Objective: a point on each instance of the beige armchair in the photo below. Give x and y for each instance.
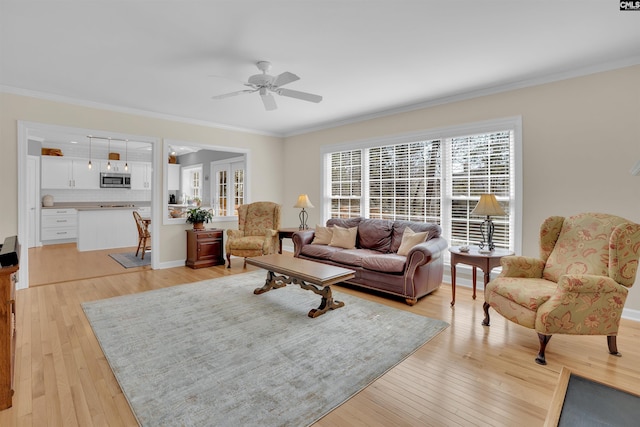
(257, 232)
(578, 285)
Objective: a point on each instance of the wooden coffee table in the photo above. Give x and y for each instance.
(313, 276)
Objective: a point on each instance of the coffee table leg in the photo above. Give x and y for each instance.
(327, 303)
(272, 282)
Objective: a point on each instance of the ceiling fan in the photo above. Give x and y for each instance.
(266, 84)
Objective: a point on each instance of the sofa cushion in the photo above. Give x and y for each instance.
(409, 239)
(375, 234)
(385, 263)
(353, 257)
(398, 230)
(322, 235)
(319, 251)
(344, 237)
(344, 222)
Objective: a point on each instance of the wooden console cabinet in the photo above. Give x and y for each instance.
(204, 248)
(7, 333)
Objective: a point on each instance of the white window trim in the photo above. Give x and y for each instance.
(514, 123)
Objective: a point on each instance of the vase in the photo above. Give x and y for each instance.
(198, 225)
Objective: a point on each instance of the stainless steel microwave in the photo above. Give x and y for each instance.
(115, 180)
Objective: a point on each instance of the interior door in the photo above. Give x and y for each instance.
(33, 200)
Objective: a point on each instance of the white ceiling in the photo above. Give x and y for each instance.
(365, 58)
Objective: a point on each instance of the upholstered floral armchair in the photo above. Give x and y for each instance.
(578, 285)
(257, 232)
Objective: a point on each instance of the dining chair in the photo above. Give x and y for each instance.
(144, 237)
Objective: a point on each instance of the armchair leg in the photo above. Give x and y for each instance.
(228, 260)
(613, 347)
(544, 339)
(486, 320)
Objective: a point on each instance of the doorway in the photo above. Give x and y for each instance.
(28, 197)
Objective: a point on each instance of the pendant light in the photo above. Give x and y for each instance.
(108, 153)
(89, 136)
(126, 156)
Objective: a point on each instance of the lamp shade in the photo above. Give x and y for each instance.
(303, 202)
(488, 205)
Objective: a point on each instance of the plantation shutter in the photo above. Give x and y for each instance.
(405, 181)
(478, 164)
(346, 184)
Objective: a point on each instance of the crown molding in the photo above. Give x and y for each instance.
(127, 110)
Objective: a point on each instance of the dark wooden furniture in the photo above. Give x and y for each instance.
(204, 248)
(300, 271)
(7, 333)
(285, 233)
(485, 261)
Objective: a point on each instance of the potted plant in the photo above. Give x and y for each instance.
(198, 216)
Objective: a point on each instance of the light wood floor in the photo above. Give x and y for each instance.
(63, 263)
(467, 375)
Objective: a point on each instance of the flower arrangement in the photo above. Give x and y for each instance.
(198, 216)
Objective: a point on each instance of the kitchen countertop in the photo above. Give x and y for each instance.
(92, 206)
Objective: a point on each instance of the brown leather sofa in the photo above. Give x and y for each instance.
(375, 260)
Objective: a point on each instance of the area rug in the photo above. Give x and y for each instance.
(130, 260)
(213, 353)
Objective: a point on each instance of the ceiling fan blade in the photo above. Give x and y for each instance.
(299, 95)
(228, 95)
(285, 78)
(269, 101)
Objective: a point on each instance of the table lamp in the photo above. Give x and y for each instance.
(487, 206)
(303, 202)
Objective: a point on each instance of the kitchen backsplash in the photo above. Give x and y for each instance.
(101, 195)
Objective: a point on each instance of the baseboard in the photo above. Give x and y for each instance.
(171, 264)
(631, 314)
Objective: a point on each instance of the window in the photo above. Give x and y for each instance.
(432, 177)
(346, 184)
(478, 164)
(229, 191)
(192, 182)
(404, 181)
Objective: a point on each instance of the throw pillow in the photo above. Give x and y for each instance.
(322, 235)
(409, 239)
(344, 237)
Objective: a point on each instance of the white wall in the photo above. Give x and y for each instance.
(581, 137)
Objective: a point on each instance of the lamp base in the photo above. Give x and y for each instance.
(303, 220)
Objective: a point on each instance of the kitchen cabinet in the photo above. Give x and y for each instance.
(173, 179)
(59, 224)
(140, 175)
(7, 333)
(204, 248)
(66, 173)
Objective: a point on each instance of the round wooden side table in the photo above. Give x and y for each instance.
(485, 261)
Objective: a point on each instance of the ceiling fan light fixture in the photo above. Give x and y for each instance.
(265, 84)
